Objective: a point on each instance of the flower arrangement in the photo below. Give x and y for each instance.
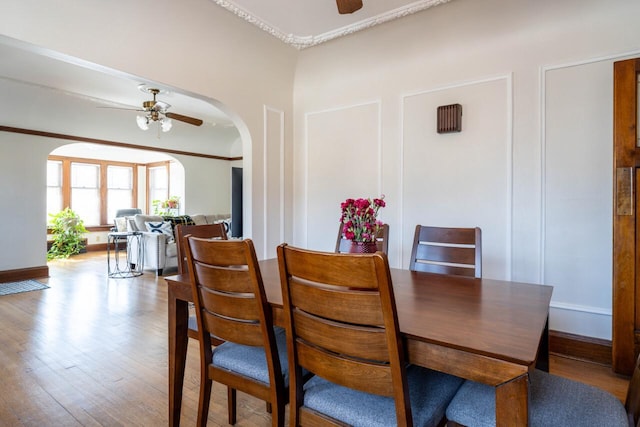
(359, 219)
(171, 203)
(163, 206)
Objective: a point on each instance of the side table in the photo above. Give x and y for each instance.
(120, 244)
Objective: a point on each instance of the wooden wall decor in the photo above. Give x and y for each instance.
(449, 118)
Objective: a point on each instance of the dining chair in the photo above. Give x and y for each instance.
(231, 305)
(382, 240)
(553, 401)
(446, 250)
(211, 231)
(342, 326)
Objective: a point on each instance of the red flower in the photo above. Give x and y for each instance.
(359, 218)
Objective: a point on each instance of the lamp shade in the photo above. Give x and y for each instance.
(143, 122)
(166, 124)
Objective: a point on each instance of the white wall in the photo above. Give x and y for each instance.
(532, 165)
(23, 182)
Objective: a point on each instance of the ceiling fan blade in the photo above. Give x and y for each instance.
(186, 119)
(348, 6)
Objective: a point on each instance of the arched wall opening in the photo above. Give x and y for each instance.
(59, 104)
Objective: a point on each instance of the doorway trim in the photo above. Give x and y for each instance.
(626, 157)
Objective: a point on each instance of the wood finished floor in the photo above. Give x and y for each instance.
(92, 351)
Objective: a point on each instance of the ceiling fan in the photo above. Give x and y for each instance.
(156, 111)
(348, 6)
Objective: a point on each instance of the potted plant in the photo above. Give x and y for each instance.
(68, 234)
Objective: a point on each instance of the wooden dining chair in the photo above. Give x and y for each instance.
(342, 326)
(553, 401)
(231, 305)
(444, 250)
(210, 231)
(382, 240)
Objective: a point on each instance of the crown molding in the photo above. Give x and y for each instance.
(302, 42)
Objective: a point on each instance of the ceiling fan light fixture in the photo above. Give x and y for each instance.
(143, 122)
(166, 124)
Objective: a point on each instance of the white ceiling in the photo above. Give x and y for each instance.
(305, 23)
(69, 98)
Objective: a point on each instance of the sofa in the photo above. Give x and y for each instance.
(159, 246)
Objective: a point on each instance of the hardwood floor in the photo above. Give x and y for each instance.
(92, 351)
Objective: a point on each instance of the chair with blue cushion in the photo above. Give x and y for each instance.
(342, 326)
(231, 305)
(553, 401)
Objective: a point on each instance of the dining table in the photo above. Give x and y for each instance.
(490, 331)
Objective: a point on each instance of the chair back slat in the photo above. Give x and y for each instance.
(455, 236)
(212, 231)
(342, 324)
(425, 267)
(446, 250)
(355, 341)
(382, 240)
(448, 254)
(241, 306)
(337, 302)
(225, 278)
(347, 272)
(351, 373)
(245, 333)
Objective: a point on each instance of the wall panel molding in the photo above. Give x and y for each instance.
(543, 70)
(267, 177)
(377, 170)
(508, 82)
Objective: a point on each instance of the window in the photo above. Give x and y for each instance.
(119, 189)
(85, 192)
(94, 189)
(54, 187)
(158, 183)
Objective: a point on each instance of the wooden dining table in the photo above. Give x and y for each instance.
(485, 330)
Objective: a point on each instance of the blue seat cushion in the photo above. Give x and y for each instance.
(553, 401)
(251, 361)
(429, 391)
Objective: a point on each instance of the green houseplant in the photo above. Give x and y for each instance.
(68, 234)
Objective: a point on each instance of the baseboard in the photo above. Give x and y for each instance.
(24, 274)
(579, 347)
(97, 247)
